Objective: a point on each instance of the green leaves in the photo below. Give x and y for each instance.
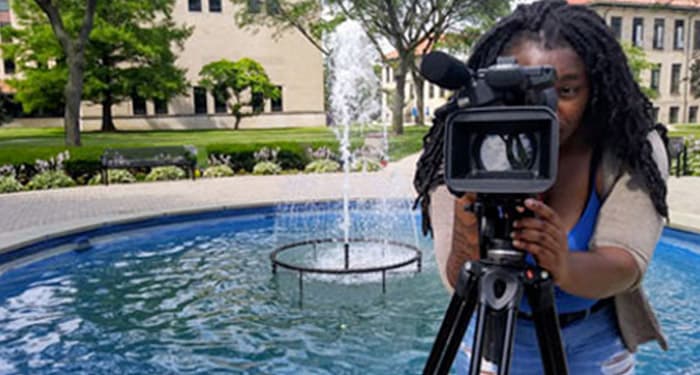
(637, 61)
(129, 52)
(228, 79)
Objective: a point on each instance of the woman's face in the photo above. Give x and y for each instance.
(572, 83)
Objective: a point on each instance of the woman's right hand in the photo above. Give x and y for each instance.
(465, 238)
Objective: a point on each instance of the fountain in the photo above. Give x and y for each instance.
(354, 102)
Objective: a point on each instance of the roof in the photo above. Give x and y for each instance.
(695, 4)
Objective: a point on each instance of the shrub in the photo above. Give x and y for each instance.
(322, 166)
(291, 155)
(266, 168)
(82, 170)
(115, 176)
(218, 171)
(8, 184)
(165, 174)
(49, 180)
(364, 164)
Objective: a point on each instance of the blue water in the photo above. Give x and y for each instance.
(200, 298)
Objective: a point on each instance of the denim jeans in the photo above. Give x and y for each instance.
(592, 345)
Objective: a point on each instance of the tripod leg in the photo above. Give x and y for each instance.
(507, 353)
(540, 295)
(455, 322)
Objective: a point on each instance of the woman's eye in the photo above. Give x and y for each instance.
(567, 91)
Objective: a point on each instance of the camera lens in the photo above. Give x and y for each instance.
(506, 152)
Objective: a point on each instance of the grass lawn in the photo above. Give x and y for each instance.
(685, 131)
(25, 145)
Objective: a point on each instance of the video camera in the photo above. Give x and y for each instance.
(501, 130)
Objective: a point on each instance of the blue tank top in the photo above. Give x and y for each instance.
(578, 239)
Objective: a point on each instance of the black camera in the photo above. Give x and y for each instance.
(501, 128)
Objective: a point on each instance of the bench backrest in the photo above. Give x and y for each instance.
(149, 156)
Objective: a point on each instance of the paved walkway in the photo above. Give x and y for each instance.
(30, 216)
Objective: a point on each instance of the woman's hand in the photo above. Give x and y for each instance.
(545, 238)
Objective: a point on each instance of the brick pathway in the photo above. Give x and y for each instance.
(28, 216)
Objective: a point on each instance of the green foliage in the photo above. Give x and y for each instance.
(266, 168)
(322, 166)
(8, 184)
(50, 179)
(290, 156)
(165, 174)
(218, 171)
(115, 176)
(638, 63)
(365, 164)
(129, 52)
(241, 80)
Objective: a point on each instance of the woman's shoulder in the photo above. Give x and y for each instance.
(611, 167)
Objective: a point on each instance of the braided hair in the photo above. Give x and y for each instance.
(617, 112)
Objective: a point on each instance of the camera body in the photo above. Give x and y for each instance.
(501, 129)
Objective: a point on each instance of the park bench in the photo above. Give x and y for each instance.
(678, 150)
(122, 158)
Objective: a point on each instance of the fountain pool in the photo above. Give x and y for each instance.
(196, 295)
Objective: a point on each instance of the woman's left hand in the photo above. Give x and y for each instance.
(545, 238)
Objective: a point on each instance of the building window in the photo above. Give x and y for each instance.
(257, 101)
(200, 100)
(431, 91)
(9, 66)
(638, 32)
(4, 5)
(675, 78)
(160, 106)
(673, 115)
(219, 104)
(276, 104)
(195, 5)
(693, 114)
(659, 25)
(387, 71)
(655, 78)
(138, 105)
(696, 35)
(616, 26)
(655, 113)
(254, 6)
(679, 35)
(442, 92)
(410, 91)
(215, 6)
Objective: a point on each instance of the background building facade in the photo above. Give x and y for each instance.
(291, 62)
(668, 32)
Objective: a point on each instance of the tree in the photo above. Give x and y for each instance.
(244, 80)
(71, 31)
(129, 53)
(403, 24)
(695, 78)
(638, 63)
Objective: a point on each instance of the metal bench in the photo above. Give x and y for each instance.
(123, 158)
(677, 150)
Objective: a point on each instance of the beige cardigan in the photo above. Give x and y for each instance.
(627, 220)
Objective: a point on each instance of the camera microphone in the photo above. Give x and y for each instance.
(445, 70)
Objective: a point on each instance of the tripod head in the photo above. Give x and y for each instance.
(495, 216)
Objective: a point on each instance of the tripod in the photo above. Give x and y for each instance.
(496, 284)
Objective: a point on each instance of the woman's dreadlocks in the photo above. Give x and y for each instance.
(617, 111)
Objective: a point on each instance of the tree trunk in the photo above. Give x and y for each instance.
(238, 121)
(397, 110)
(420, 105)
(73, 93)
(107, 121)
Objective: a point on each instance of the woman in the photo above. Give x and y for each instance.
(595, 229)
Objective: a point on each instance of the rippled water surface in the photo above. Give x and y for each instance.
(200, 298)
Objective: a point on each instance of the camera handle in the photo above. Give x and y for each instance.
(495, 284)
